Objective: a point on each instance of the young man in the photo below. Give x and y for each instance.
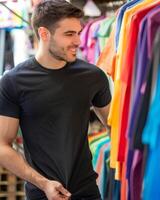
(50, 96)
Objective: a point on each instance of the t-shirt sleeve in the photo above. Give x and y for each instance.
(103, 95)
(8, 97)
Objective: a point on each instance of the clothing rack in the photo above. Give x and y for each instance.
(132, 63)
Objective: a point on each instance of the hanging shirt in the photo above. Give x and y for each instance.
(88, 34)
(96, 155)
(101, 168)
(106, 60)
(104, 173)
(104, 31)
(134, 166)
(94, 145)
(120, 18)
(95, 136)
(84, 38)
(92, 41)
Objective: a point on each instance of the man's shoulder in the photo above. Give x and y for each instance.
(20, 68)
(23, 65)
(91, 67)
(86, 65)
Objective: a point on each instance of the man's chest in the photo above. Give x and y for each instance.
(52, 94)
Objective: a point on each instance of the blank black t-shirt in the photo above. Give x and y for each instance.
(53, 107)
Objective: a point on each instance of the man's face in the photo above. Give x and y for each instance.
(64, 42)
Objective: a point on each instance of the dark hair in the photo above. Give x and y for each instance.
(48, 12)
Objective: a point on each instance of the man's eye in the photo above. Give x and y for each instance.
(70, 34)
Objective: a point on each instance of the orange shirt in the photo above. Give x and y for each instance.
(106, 60)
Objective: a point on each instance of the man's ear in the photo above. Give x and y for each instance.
(43, 33)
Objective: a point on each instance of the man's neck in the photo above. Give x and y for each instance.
(48, 61)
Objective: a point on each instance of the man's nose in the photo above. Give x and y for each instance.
(77, 40)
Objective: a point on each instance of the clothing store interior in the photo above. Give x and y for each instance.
(122, 38)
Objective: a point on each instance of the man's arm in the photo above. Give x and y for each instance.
(102, 113)
(15, 162)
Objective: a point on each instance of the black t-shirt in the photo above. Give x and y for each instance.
(53, 107)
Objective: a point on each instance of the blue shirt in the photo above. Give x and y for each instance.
(120, 18)
(151, 134)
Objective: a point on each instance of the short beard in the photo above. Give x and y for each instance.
(58, 57)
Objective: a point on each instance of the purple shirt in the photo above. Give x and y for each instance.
(136, 175)
(85, 36)
(153, 24)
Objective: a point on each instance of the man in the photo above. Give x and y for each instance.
(50, 96)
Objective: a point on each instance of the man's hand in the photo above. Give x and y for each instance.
(55, 191)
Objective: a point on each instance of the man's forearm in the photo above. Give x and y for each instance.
(15, 163)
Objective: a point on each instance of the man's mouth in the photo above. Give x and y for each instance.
(73, 50)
